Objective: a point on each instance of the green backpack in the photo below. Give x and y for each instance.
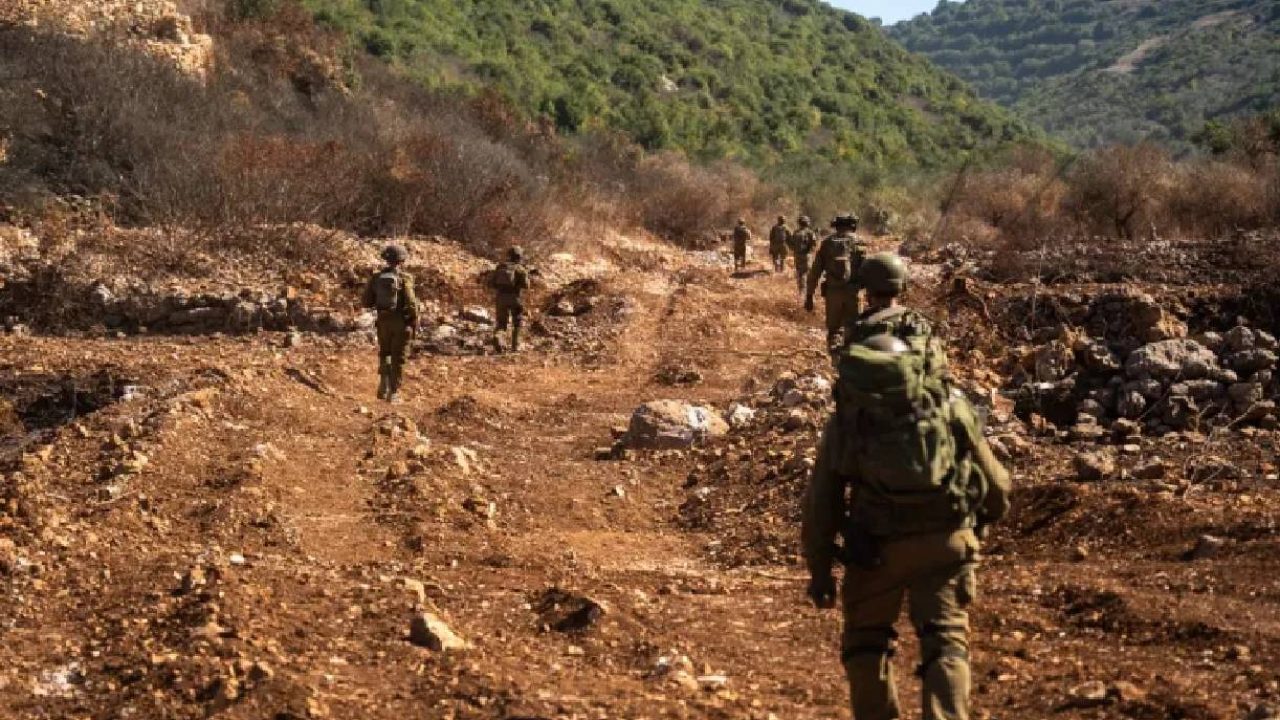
(904, 439)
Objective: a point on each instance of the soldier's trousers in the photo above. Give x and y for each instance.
(802, 271)
(779, 257)
(510, 313)
(393, 348)
(935, 574)
(842, 307)
(739, 257)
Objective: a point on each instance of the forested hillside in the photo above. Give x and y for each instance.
(1097, 71)
(755, 80)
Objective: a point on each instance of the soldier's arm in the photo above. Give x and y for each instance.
(995, 505)
(409, 301)
(816, 270)
(823, 510)
(522, 278)
(367, 298)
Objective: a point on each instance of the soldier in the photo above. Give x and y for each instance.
(883, 277)
(835, 273)
(910, 501)
(741, 240)
(779, 238)
(509, 280)
(802, 243)
(390, 293)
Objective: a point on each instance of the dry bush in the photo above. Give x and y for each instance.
(680, 201)
(1212, 198)
(249, 148)
(1121, 191)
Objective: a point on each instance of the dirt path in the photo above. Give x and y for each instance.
(265, 558)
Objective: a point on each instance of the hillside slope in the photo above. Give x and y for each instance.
(1094, 72)
(747, 79)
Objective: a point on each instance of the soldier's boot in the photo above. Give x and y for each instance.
(515, 338)
(944, 677)
(496, 341)
(395, 376)
(383, 380)
(873, 694)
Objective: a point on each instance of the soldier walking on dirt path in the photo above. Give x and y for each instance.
(802, 243)
(509, 281)
(741, 241)
(779, 238)
(390, 292)
(835, 274)
(910, 500)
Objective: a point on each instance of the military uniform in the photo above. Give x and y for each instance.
(834, 272)
(509, 281)
(925, 551)
(741, 240)
(895, 320)
(802, 243)
(395, 327)
(779, 238)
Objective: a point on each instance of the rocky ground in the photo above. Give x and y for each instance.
(217, 519)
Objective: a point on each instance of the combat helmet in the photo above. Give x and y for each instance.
(782, 219)
(804, 221)
(395, 254)
(883, 274)
(845, 220)
(515, 253)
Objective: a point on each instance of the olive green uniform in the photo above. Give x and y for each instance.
(840, 295)
(741, 240)
(395, 330)
(802, 243)
(927, 558)
(779, 238)
(896, 320)
(508, 302)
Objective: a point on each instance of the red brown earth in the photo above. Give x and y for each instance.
(230, 526)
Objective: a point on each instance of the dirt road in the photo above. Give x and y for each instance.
(244, 533)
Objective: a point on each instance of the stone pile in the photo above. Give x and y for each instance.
(1135, 368)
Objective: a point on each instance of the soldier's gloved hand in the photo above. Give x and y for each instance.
(808, 303)
(822, 591)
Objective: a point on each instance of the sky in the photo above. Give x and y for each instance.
(890, 11)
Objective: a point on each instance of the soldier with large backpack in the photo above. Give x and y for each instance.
(390, 293)
(779, 237)
(802, 243)
(907, 482)
(509, 281)
(835, 273)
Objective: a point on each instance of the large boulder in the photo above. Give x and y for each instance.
(1168, 359)
(672, 425)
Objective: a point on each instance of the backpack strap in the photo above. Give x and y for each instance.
(888, 313)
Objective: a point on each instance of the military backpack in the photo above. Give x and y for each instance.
(386, 290)
(904, 438)
(506, 277)
(847, 253)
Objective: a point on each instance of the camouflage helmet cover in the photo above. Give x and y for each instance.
(883, 274)
(395, 254)
(804, 220)
(515, 253)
